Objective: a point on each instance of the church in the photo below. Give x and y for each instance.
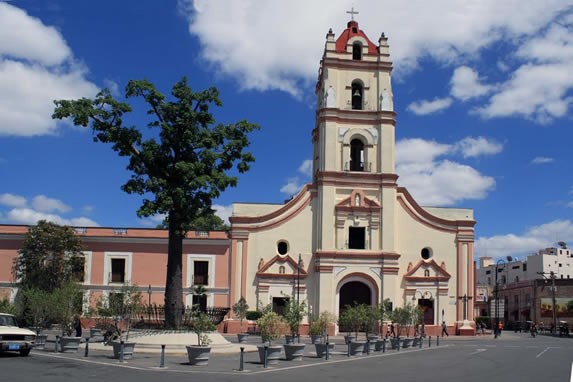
(352, 235)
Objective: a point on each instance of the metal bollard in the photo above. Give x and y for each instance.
(398, 344)
(384, 345)
(438, 341)
(57, 346)
(327, 348)
(367, 347)
(421, 341)
(348, 349)
(430, 341)
(241, 368)
(265, 357)
(87, 347)
(162, 359)
(121, 351)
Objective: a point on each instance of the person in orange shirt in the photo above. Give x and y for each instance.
(499, 328)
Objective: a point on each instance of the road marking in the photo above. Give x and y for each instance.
(571, 378)
(478, 351)
(540, 354)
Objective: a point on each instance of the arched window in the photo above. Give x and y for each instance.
(357, 50)
(426, 273)
(357, 95)
(282, 269)
(356, 155)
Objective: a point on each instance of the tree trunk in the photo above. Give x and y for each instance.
(174, 280)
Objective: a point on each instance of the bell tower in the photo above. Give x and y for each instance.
(353, 144)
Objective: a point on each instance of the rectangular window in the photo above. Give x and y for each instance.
(117, 270)
(201, 301)
(356, 238)
(200, 272)
(524, 266)
(488, 272)
(279, 305)
(78, 269)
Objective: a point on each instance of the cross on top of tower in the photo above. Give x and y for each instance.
(352, 12)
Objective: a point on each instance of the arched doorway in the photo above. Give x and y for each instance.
(351, 293)
(354, 292)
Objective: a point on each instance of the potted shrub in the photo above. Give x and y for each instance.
(372, 315)
(33, 307)
(272, 327)
(293, 314)
(319, 329)
(240, 309)
(65, 304)
(199, 355)
(353, 318)
(122, 306)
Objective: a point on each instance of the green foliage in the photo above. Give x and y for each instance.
(34, 307)
(180, 169)
(51, 256)
(294, 313)
(65, 304)
(319, 326)
(7, 307)
(240, 309)
(272, 326)
(352, 318)
(201, 325)
(405, 317)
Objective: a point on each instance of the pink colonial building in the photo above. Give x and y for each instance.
(114, 256)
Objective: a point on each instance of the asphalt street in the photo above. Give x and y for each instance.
(513, 357)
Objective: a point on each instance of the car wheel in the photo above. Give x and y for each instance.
(25, 352)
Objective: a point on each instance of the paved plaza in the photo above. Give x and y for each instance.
(514, 356)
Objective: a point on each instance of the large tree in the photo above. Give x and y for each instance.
(181, 168)
(51, 255)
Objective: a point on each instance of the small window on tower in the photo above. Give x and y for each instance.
(282, 247)
(356, 95)
(357, 50)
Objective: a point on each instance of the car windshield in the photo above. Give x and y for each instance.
(8, 321)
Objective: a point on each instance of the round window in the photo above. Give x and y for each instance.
(282, 247)
(426, 253)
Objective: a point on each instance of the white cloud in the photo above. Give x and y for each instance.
(12, 200)
(292, 187)
(540, 87)
(306, 168)
(465, 84)
(473, 147)
(256, 42)
(542, 160)
(429, 107)
(36, 67)
(435, 181)
(224, 212)
(41, 208)
(42, 203)
(535, 238)
(30, 216)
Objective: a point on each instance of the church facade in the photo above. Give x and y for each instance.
(353, 234)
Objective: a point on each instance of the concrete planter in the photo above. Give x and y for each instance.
(128, 349)
(321, 349)
(357, 347)
(379, 345)
(294, 352)
(69, 344)
(407, 342)
(242, 337)
(273, 354)
(316, 339)
(198, 355)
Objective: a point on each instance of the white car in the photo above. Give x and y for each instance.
(13, 338)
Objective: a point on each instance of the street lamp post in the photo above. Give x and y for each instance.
(495, 324)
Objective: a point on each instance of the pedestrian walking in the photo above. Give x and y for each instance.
(444, 329)
(392, 330)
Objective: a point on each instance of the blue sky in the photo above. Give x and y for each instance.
(482, 90)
